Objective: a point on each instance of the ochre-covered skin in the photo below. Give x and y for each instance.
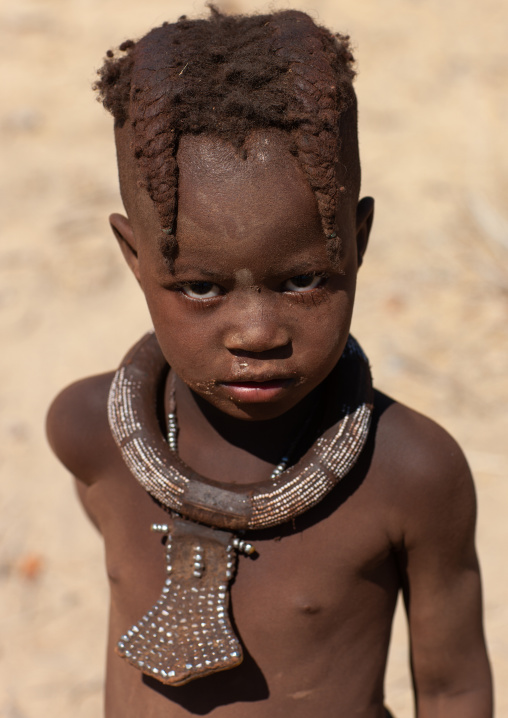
(314, 609)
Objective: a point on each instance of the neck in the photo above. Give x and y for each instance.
(261, 443)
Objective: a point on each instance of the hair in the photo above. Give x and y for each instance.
(228, 76)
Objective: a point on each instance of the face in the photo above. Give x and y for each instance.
(254, 315)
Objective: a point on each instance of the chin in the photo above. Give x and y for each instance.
(259, 411)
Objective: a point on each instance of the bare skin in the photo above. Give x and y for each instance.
(255, 298)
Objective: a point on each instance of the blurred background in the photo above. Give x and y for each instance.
(431, 309)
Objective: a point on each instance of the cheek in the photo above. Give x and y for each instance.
(321, 334)
(330, 327)
(327, 318)
(187, 338)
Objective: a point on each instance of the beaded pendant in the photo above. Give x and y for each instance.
(187, 633)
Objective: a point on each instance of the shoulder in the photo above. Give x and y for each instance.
(414, 444)
(77, 427)
(424, 473)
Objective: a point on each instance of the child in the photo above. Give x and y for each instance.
(290, 502)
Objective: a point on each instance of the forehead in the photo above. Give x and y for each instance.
(218, 186)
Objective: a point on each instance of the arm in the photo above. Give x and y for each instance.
(442, 586)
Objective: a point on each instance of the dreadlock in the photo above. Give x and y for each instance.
(227, 76)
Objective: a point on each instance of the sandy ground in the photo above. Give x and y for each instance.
(431, 309)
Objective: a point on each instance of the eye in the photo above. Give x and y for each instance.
(303, 283)
(201, 290)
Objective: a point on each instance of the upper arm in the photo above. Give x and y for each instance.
(77, 427)
(443, 590)
(436, 508)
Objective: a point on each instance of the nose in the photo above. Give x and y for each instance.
(256, 328)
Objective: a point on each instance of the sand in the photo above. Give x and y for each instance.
(431, 309)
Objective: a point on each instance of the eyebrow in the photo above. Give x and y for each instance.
(293, 270)
(193, 269)
(297, 269)
(300, 268)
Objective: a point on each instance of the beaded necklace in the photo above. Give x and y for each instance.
(188, 633)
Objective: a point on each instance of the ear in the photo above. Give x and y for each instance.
(364, 218)
(125, 236)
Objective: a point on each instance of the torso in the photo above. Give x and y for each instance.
(313, 610)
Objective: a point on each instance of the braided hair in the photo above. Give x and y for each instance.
(227, 76)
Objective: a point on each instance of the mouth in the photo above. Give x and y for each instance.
(256, 391)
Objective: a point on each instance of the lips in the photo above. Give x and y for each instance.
(256, 390)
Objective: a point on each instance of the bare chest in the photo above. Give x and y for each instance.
(310, 590)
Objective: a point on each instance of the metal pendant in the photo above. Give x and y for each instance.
(187, 634)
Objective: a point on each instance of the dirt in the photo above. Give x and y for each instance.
(431, 308)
